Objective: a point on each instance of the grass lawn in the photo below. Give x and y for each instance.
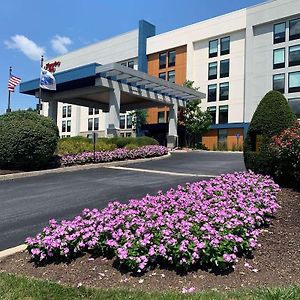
(17, 287)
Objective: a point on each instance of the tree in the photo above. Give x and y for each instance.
(197, 122)
(139, 118)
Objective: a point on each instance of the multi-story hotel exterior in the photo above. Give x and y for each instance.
(235, 59)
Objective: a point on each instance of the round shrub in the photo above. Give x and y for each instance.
(131, 146)
(271, 116)
(27, 140)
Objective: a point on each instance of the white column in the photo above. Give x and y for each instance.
(114, 112)
(52, 110)
(172, 135)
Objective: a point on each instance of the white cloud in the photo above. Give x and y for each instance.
(26, 46)
(60, 43)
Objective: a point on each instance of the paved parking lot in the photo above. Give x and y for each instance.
(26, 204)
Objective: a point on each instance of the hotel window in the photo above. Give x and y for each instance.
(162, 60)
(294, 55)
(279, 58)
(279, 33)
(96, 123)
(69, 110)
(213, 48)
(294, 82)
(64, 112)
(122, 121)
(212, 70)
(224, 68)
(294, 29)
(124, 64)
(212, 93)
(171, 58)
(224, 91)
(129, 121)
(131, 64)
(161, 117)
(225, 45)
(162, 76)
(213, 112)
(223, 114)
(294, 104)
(90, 124)
(69, 126)
(171, 76)
(222, 135)
(279, 82)
(91, 110)
(63, 126)
(96, 112)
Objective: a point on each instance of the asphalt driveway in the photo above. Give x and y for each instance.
(26, 204)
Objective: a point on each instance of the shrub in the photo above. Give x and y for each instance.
(286, 148)
(131, 146)
(27, 140)
(121, 142)
(203, 223)
(271, 116)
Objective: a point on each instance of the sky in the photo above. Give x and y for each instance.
(30, 28)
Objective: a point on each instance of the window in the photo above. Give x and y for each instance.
(213, 48)
(69, 111)
(64, 112)
(161, 117)
(295, 106)
(162, 76)
(129, 121)
(63, 126)
(90, 124)
(294, 82)
(168, 116)
(171, 58)
(279, 58)
(69, 126)
(124, 64)
(222, 136)
(128, 134)
(131, 64)
(224, 91)
(213, 112)
(212, 70)
(223, 114)
(225, 45)
(96, 112)
(162, 60)
(278, 83)
(122, 121)
(96, 123)
(279, 33)
(91, 110)
(294, 29)
(212, 93)
(171, 76)
(294, 55)
(224, 68)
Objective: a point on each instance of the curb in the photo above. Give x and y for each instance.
(11, 251)
(206, 151)
(78, 168)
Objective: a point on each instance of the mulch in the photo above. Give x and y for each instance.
(275, 263)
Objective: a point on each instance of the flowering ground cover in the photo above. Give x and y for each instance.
(203, 223)
(114, 155)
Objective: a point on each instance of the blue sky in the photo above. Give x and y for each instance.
(32, 27)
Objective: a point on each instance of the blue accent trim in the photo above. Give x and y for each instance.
(228, 126)
(28, 87)
(146, 30)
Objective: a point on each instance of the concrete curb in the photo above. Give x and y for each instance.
(206, 151)
(78, 168)
(11, 251)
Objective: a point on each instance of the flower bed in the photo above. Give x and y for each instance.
(114, 155)
(207, 222)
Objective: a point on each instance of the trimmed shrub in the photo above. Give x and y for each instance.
(131, 146)
(271, 116)
(121, 142)
(286, 148)
(27, 140)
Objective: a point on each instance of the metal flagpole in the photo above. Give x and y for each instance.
(40, 90)
(8, 102)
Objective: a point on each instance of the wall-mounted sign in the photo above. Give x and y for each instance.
(51, 67)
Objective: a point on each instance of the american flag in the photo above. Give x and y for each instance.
(13, 82)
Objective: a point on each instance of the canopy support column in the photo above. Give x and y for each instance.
(52, 110)
(172, 138)
(114, 112)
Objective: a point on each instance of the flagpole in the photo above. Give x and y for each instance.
(8, 101)
(40, 90)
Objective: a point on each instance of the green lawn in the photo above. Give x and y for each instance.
(16, 287)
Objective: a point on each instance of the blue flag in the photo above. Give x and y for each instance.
(47, 80)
